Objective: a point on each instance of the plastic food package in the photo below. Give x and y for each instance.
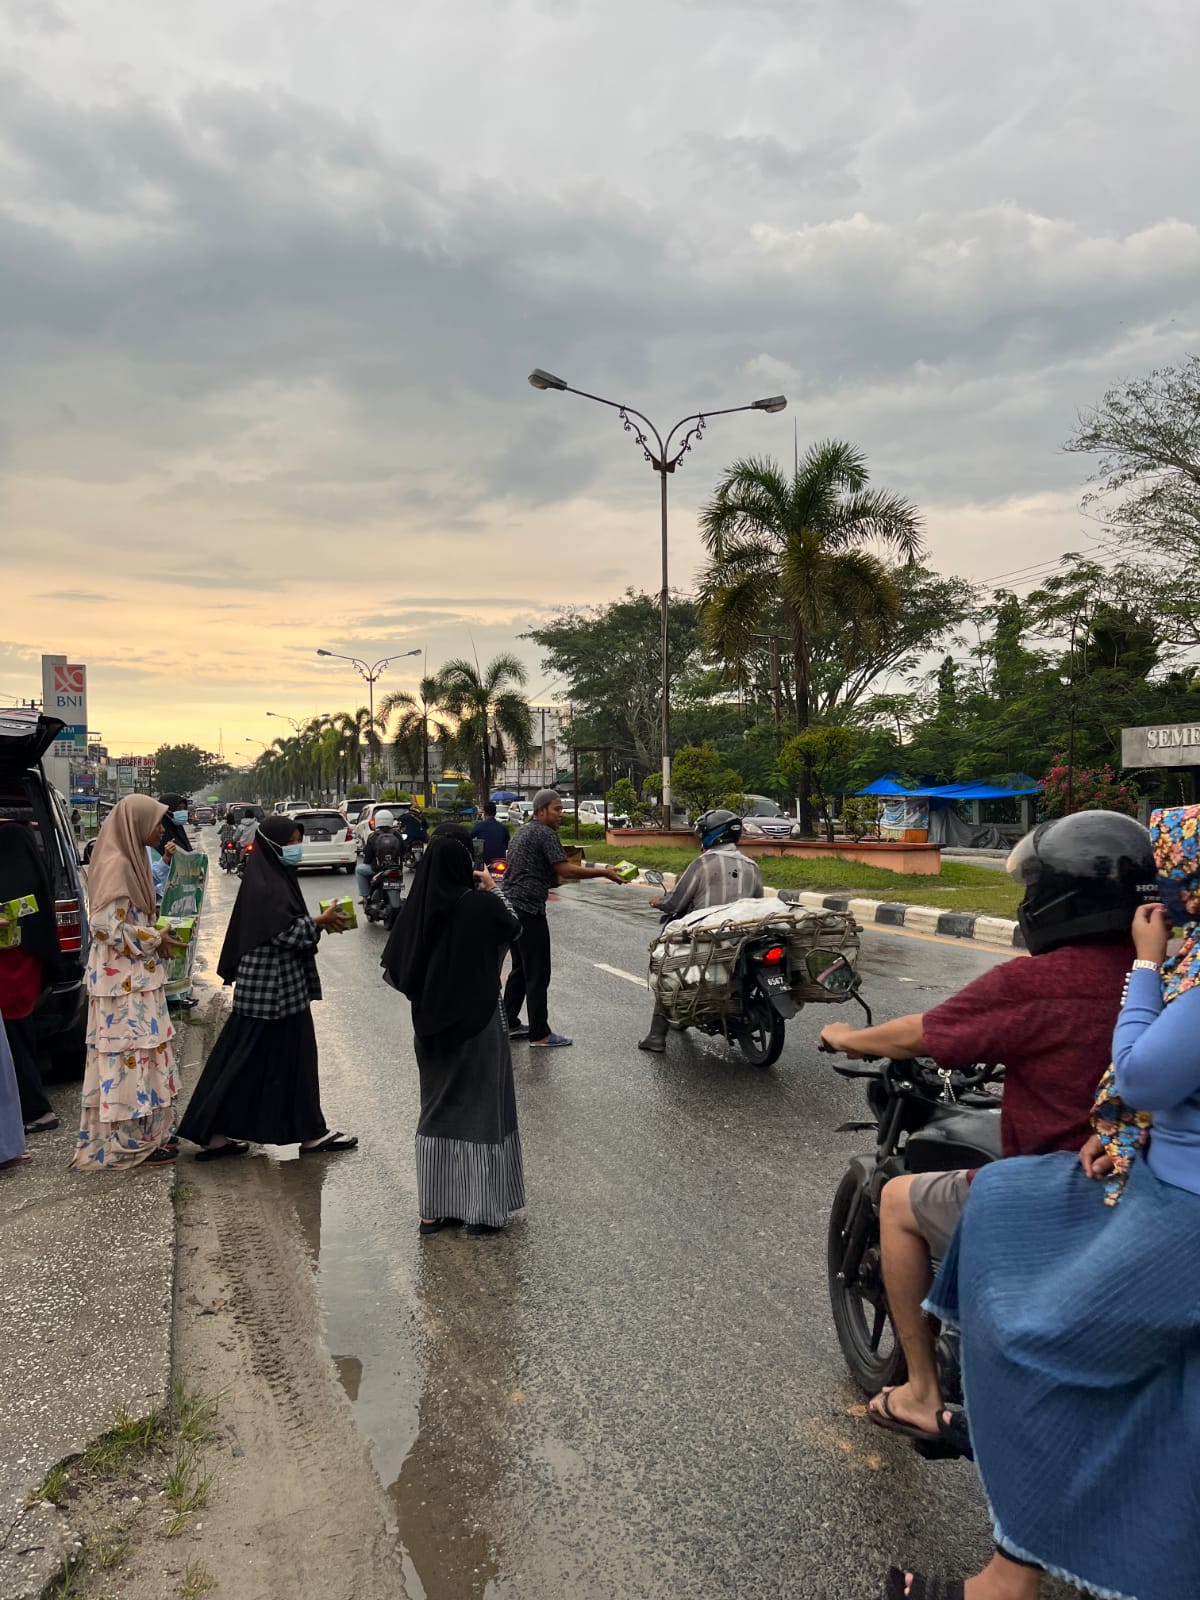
(181, 929)
(628, 870)
(11, 912)
(345, 905)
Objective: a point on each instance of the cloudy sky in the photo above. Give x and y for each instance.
(272, 276)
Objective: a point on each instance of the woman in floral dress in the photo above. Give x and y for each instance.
(129, 1080)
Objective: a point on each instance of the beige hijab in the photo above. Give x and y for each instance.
(120, 867)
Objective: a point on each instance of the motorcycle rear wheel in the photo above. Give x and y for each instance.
(762, 1033)
(860, 1313)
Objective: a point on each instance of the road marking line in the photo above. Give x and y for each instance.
(940, 938)
(618, 973)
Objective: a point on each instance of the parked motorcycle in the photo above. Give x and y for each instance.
(751, 984)
(386, 896)
(925, 1119)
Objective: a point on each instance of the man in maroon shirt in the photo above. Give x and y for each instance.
(1048, 1020)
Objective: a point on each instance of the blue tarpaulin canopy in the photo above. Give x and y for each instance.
(888, 787)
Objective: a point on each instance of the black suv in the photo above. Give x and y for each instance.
(26, 794)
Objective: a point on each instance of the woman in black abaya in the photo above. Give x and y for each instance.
(444, 953)
(27, 968)
(260, 1083)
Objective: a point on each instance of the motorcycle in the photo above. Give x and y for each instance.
(761, 985)
(386, 896)
(228, 856)
(925, 1119)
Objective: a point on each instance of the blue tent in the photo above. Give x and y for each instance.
(891, 789)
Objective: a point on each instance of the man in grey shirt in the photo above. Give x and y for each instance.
(537, 862)
(719, 874)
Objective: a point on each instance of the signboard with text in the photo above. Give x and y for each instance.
(1175, 744)
(64, 695)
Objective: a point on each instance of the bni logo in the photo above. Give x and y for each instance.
(69, 679)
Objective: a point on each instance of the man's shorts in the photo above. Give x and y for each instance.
(937, 1200)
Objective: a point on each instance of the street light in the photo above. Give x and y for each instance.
(296, 726)
(372, 675)
(663, 463)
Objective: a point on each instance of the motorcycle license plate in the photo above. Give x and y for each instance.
(774, 980)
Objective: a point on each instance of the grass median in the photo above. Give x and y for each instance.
(958, 887)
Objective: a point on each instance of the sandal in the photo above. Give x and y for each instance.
(217, 1152)
(477, 1230)
(884, 1417)
(954, 1437)
(43, 1124)
(552, 1041)
(331, 1144)
(922, 1588)
(437, 1225)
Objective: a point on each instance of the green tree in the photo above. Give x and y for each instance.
(492, 714)
(700, 780)
(186, 768)
(797, 543)
(623, 799)
(1146, 438)
(358, 730)
(610, 661)
(416, 723)
(819, 757)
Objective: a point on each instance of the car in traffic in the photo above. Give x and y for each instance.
(27, 796)
(762, 818)
(204, 816)
(366, 817)
(329, 841)
(353, 809)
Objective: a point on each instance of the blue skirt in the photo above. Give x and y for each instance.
(1081, 1368)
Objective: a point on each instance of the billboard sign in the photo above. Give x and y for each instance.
(64, 695)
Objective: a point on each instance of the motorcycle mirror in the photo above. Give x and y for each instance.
(652, 876)
(831, 971)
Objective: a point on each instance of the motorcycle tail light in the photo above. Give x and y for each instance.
(773, 957)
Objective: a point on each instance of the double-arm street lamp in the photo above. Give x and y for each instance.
(663, 463)
(372, 675)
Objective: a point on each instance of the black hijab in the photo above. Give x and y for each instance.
(172, 829)
(443, 952)
(269, 899)
(22, 871)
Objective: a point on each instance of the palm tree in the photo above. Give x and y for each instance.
(410, 740)
(491, 713)
(795, 543)
(358, 728)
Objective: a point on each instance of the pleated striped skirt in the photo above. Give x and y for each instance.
(468, 1145)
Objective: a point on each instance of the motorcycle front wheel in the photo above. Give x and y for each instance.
(762, 1032)
(856, 1295)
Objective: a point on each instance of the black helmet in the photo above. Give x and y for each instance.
(1084, 876)
(718, 827)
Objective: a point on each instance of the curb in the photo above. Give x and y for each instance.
(972, 927)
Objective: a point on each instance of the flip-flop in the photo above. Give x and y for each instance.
(884, 1417)
(331, 1145)
(218, 1152)
(922, 1588)
(553, 1041)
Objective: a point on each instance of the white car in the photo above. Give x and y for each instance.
(366, 818)
(593, 811)
(328, 840)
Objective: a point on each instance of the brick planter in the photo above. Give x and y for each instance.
(906, 859)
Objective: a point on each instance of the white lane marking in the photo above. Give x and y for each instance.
(618, 973)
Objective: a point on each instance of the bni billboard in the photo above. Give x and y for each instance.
(64, 695)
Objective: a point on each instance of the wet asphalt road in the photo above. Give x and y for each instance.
(636, 1391)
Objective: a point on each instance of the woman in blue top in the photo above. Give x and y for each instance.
(1080, 1308)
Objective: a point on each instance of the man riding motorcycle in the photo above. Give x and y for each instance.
(384, 848)
(1049, 1021)
(413, 827)
(719, 874)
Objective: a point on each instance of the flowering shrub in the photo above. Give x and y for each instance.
(1099, 790)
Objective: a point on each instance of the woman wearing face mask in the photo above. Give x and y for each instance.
(129, 1077)
(260, 1083)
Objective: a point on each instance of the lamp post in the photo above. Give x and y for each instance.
(663, 463)
(372, 675)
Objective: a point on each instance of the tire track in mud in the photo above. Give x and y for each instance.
(296, 1508)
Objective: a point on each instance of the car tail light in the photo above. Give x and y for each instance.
(773, 956)
(70, 926)
(349, 836)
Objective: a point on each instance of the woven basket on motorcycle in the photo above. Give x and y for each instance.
(694, 960)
